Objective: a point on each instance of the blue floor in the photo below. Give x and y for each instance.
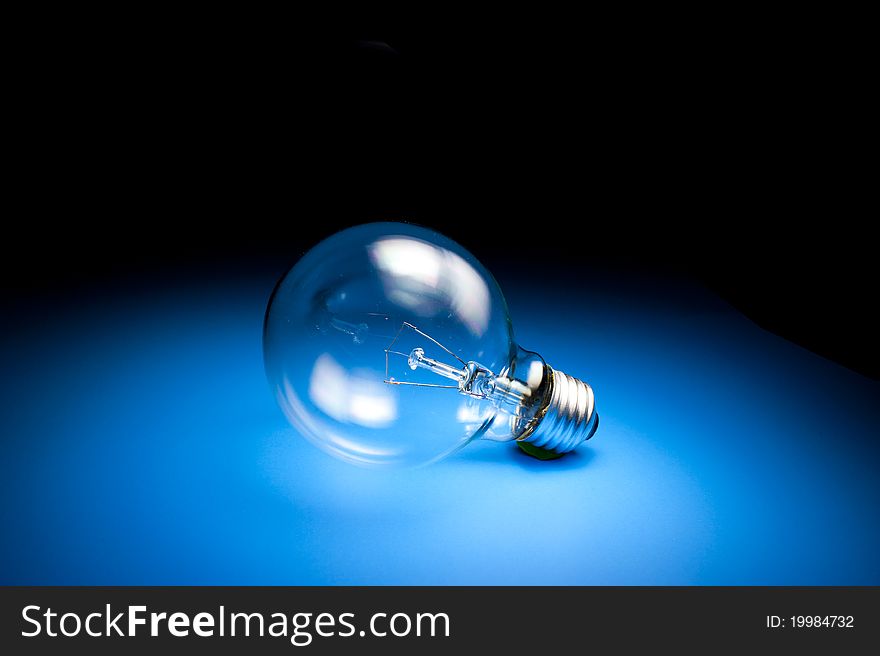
(141, 445)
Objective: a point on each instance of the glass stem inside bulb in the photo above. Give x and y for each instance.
(417, 359)
(474, 380)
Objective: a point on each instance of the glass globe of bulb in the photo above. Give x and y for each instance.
(390, 344)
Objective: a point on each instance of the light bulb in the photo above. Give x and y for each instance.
(389, 343)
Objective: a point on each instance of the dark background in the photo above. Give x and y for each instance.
(725, 150)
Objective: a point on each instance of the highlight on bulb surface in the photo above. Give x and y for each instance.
(390, 344)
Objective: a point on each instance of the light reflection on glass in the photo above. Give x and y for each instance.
(420, 276)
(351, 397)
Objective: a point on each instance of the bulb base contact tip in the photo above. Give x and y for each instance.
(568, 419)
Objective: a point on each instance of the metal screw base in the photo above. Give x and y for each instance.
(569, 419)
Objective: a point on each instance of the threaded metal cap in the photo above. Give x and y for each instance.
(569, 418)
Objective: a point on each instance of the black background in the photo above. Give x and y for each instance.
(725, 148)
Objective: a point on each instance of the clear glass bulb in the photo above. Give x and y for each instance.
(391, 344)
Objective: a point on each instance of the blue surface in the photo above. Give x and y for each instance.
(142, 446)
